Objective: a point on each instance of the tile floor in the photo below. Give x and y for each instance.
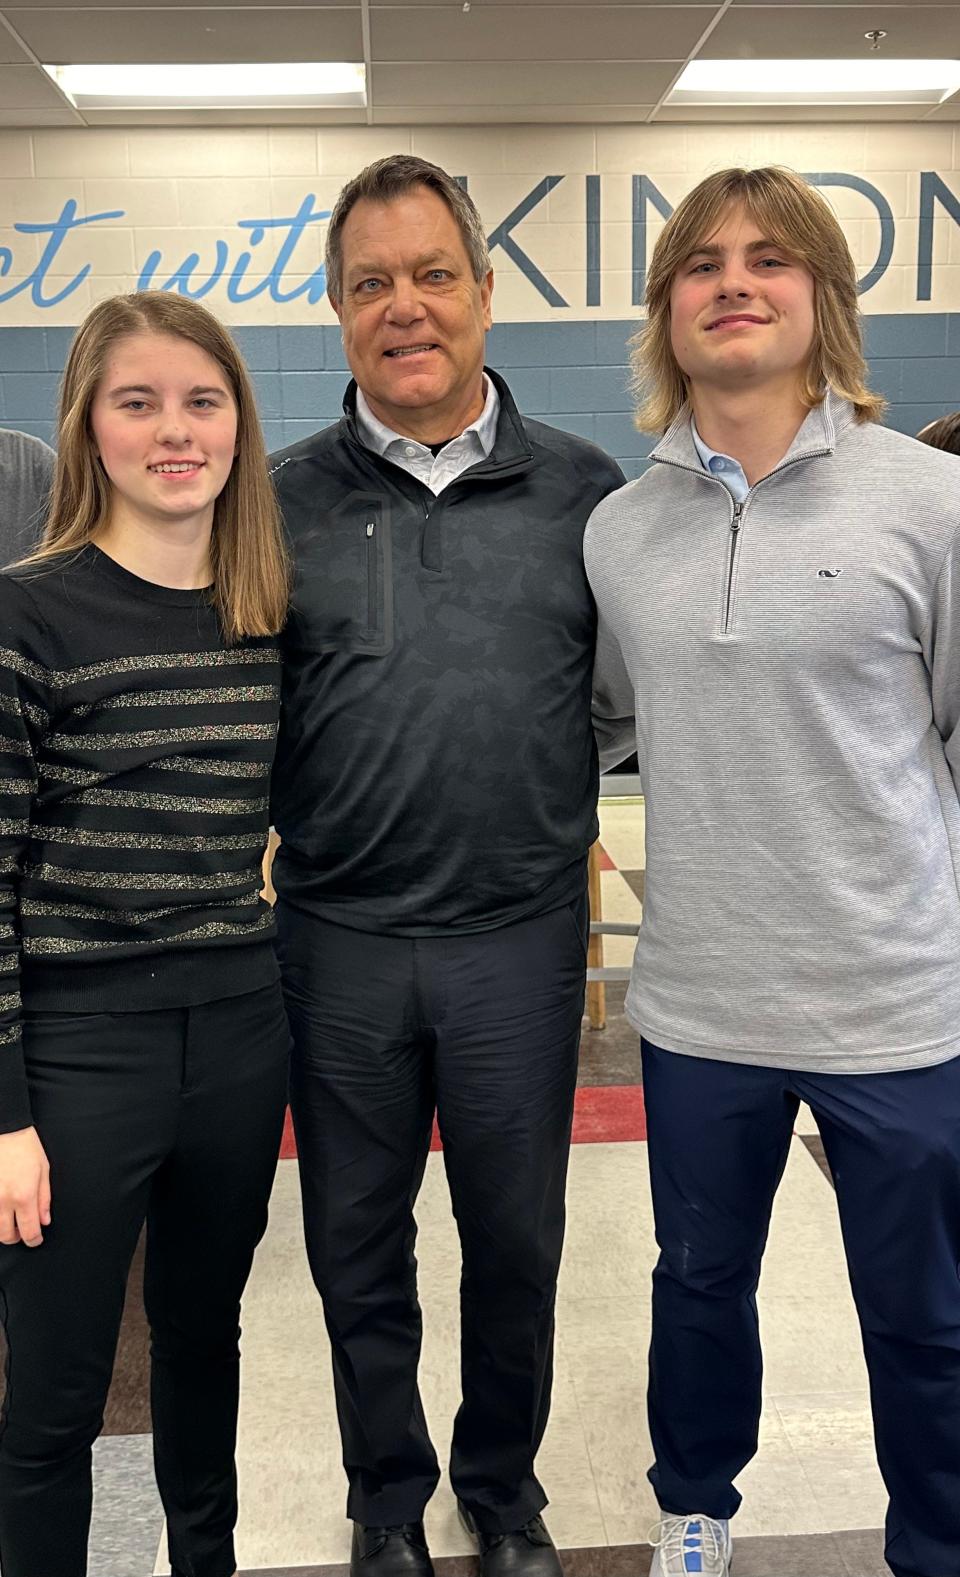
(813, 1500)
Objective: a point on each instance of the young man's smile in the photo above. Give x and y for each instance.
(741, 309)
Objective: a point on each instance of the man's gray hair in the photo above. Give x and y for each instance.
(395, 176)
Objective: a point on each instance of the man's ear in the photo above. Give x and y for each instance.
(486, 293)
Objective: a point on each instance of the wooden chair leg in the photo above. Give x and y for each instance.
(271, 849)
(596, 990)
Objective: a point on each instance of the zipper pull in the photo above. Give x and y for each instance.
(737, 512)
(371, 527)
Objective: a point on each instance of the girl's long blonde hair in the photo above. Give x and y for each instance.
(793, 215)
(250, 567)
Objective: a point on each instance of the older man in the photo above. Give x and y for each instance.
(435, 794)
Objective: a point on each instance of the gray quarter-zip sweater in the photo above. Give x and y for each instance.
(793, 668)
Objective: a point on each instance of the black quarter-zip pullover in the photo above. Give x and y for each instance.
(436, 769)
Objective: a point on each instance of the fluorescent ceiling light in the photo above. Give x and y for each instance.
(173, 85)
(871, 80)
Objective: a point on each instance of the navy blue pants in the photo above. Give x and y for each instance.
(718, 1137)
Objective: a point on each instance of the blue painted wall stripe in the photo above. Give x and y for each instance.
(573, 374)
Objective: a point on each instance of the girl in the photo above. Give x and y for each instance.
(143, 1047)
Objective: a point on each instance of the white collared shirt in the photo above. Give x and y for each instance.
(436, 472)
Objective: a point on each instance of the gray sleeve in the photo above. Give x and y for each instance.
(941, 651)
(613, 702)
(44, 466)
(26, 477)
(613, 697)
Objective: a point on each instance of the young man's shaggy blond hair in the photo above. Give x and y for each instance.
(793, 215)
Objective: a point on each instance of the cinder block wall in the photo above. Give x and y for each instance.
(574, 212)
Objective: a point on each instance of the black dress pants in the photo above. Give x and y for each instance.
(172, 1117)
(485, 1030)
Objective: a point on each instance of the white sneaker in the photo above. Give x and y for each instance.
(692, 1547)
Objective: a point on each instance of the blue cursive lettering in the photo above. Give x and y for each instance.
(57, 230)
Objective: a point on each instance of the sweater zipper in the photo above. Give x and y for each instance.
(734, 541)
(738, 508)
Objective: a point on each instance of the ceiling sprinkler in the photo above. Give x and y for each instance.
(875, 35)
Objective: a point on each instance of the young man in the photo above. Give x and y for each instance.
(779, 630)
(436, 797)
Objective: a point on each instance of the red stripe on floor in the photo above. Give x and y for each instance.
(604, 860)
(602, 1114)
(609, 1114)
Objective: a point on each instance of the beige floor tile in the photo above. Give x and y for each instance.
(608, 1250)
(815, 1471)
(605, 1351)
(620, 903)
(805, 1250)
(808, 1340)
(622, 831)
(438, 1246)
(606, 1355)
(617, 1438)
(565, 1469)
(777, 1498)
(832, 1437)
(293, 1489)
(805, 1122)
(608, 1364)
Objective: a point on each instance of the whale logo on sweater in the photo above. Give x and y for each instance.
(828, 574)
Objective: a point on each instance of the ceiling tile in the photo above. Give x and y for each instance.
(878, 7)
(788, 112)
(535, 32)
(792, 32)
(504, 82)
(33, 117)
(197, 35)
(10, 52)
(480, 7)
(510, 114)
(27, 87)
(246, 117)
(948, 111)
(69, 6)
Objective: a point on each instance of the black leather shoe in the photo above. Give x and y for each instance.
(527, 1552)
(390, 1552)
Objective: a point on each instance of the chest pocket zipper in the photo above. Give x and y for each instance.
(371, 530)
(342, 597)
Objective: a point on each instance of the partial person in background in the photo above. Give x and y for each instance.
(435, 794)
(779, 604)
(26, 478)
(143, 1044)
(943, 433)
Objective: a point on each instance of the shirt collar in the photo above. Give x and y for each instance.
(817, 436)
(375, 434)
(723, 466)
(705, 452)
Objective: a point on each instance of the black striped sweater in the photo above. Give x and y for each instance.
(135, 753)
